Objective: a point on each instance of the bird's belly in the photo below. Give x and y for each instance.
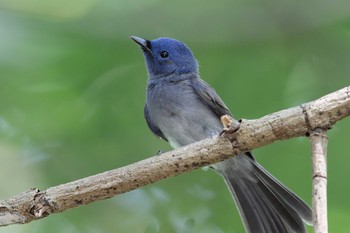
(180, 115)
(189, 125)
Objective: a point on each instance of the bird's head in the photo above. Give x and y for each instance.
(165, 56)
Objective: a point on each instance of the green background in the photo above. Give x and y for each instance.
(72, 90)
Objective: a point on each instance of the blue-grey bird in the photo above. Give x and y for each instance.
(181, 108)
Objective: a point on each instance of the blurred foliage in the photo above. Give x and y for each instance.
(72, 94)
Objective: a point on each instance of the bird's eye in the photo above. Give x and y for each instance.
(164, 54)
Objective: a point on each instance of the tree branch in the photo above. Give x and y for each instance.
(319, 142)
(293, 122)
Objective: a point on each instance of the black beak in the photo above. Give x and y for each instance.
(145, 44)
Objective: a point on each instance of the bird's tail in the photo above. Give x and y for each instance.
(264, 203)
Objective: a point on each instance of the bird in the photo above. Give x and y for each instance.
(182, 108)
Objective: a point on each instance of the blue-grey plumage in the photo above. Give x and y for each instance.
(181, 108)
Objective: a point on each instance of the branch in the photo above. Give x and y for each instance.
(293, 122)
(319, 142)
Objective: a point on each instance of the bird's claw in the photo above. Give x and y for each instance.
(230, 125)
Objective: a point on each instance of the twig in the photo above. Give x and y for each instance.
(293, 122)
(319, 141)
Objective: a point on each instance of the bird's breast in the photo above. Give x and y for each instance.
(180, 114)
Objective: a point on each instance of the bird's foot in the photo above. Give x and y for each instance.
(230, 125)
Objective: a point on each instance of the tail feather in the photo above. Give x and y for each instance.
(284, 193)
(291, 220)
(264, 203)
(256, 215)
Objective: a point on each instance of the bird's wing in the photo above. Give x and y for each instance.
(152, 126)
(209, 97)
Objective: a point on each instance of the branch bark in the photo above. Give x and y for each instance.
(298, 121)
(319, 141)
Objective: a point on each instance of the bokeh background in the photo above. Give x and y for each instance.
(72, 90)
